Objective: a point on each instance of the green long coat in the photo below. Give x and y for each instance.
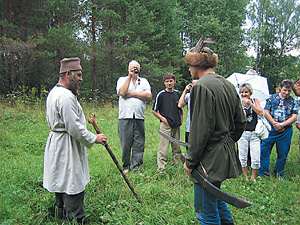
(217, 122)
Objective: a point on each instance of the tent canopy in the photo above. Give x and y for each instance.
(259, 84)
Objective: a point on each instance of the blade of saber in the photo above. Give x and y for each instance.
(174, 140)
(92, 121)
(222, 195)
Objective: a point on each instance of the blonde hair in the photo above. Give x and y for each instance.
(246, 86)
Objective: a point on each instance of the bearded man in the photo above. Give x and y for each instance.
(66, 171)
(217, 122)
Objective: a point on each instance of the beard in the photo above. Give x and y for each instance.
(74, 87)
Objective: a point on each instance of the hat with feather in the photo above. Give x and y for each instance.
(201, 55)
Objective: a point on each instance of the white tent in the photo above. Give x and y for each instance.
(259, 84)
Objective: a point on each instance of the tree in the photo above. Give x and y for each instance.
(147, 31)
(106, 34)
(275, 32)
(222, 21)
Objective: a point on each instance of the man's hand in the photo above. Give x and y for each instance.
(165, 121)
(128, 95)
(131, 74)
(188, 87)
(277, 126)
(101, 139)
(189, 171)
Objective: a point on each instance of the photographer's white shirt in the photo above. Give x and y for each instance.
(133, 107)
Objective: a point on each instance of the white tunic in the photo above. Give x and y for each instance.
(65, 159)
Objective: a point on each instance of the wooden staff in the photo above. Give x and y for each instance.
(92, 121)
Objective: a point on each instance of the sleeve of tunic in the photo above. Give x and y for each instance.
(239, 121)
(75, 125)
(202, 123)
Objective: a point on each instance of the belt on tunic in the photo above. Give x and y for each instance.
(57, 131)
(210, 146)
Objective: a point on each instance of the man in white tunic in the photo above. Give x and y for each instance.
(66, 169)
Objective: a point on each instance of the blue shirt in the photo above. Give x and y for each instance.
(281, 109)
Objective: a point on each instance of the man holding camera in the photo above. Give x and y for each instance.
(133, 91)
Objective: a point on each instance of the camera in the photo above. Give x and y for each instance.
(136, 70)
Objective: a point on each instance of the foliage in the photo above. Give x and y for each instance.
(106, 35)
(222, 21)
(275, 33)
(168, 198)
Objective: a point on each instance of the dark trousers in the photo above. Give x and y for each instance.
(69, 207)
(132, 139)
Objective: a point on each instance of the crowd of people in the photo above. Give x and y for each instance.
(217, 118)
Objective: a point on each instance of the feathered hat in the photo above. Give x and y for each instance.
(202, 56)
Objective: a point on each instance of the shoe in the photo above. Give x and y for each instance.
(137, 172)
(161, 171)
(141, 174)
(126, 171)
(280, 178)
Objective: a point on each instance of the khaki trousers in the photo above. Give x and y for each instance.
(163, 147)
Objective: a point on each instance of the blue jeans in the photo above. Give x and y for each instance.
(209, 209)
(283, 143)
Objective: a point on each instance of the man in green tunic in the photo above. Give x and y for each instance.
(217, 122)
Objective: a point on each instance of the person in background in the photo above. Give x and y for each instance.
(281, 111)
(185, 100)
(133, 92)
(249, 139)
(298, 127)
(166, 109)
(66, 170)
(277, 90)
(217, 122)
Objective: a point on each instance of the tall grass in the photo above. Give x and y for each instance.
(168, 198)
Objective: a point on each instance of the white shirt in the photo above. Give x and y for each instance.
(65, 158)
(187, 101)
(133, 106)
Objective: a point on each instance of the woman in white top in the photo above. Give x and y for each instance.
(249, 138)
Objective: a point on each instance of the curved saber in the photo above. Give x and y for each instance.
(92, 121)
(174, 140)
(222, 195)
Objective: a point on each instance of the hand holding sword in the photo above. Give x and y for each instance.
(222, 195)
(92, 121)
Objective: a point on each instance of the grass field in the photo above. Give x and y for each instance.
(168, 198)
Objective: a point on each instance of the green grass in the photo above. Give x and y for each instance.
(168, 198)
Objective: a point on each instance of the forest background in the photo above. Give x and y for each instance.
(36, 34)
(106, 34)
